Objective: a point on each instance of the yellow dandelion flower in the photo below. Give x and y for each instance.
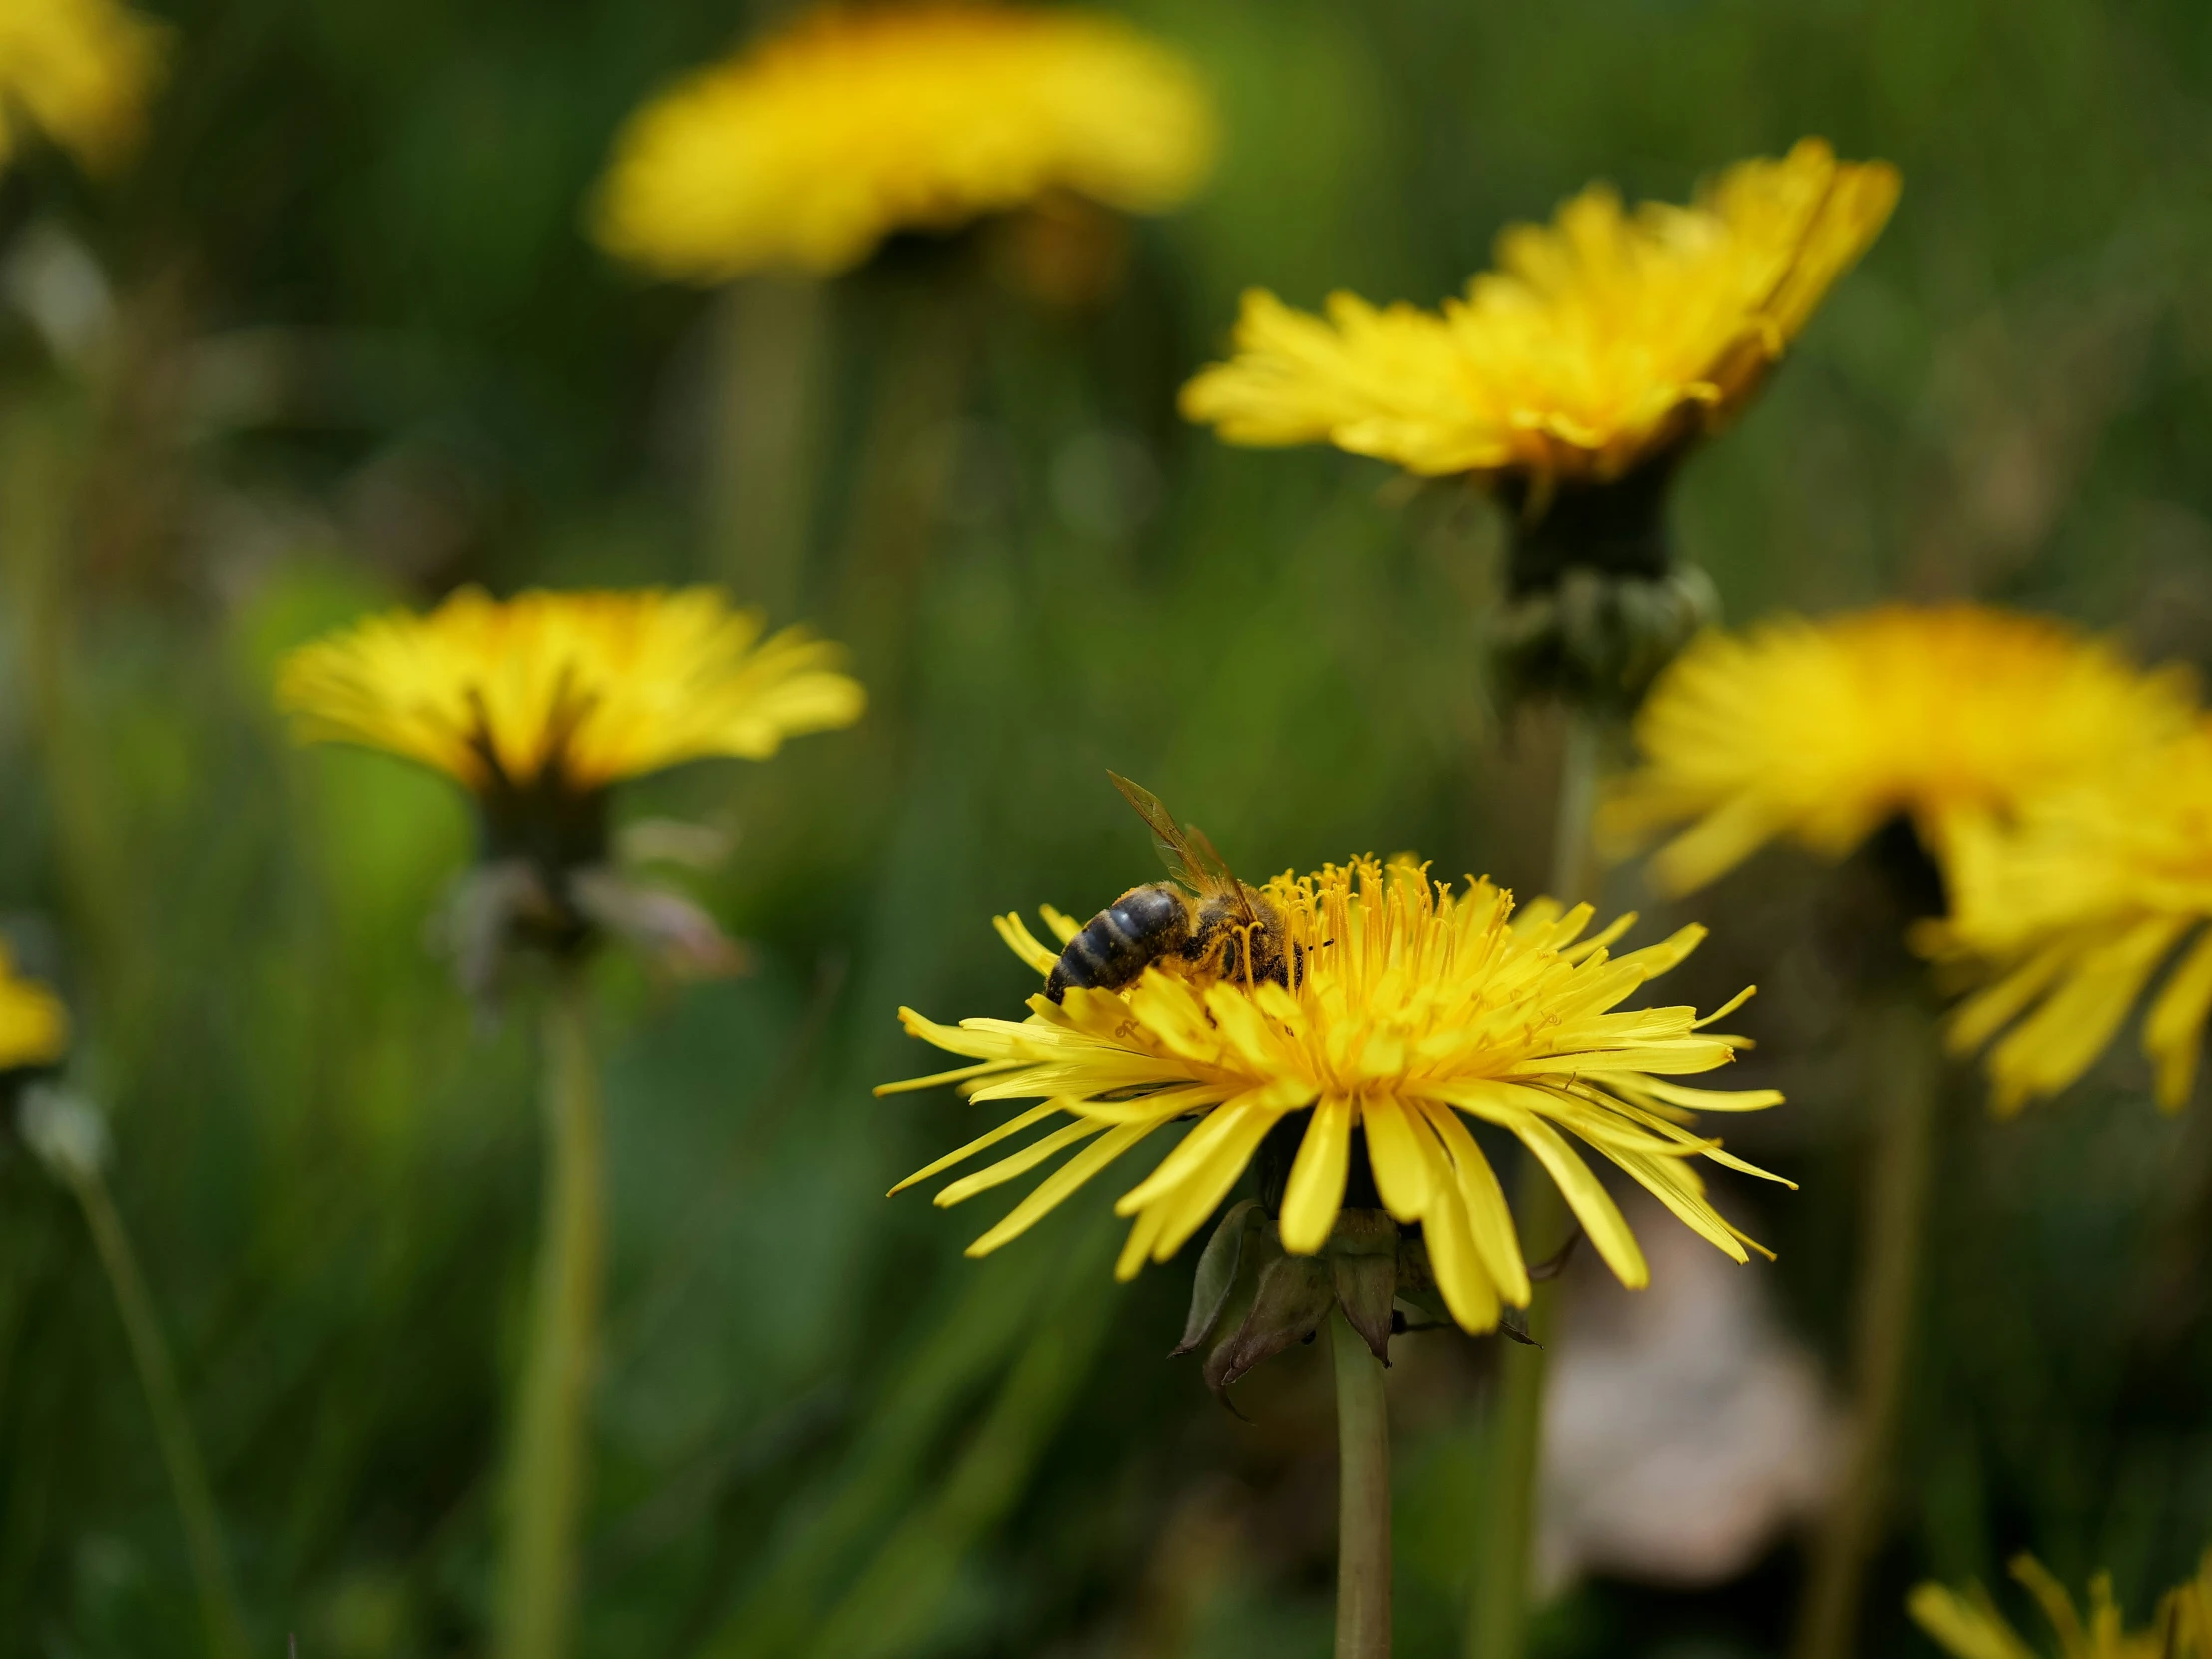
(1603, 339)
(33, 1026)
(1821, 731)
(79, 71)
(2070, 909)
(539, 703)
(1970, 1625)
(812, 146)
(567, 691)
(1417, 1008)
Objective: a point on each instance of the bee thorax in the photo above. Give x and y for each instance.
(1241, 940)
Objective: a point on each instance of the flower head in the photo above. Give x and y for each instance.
(79, 71)
(1602, 340)
(812, 146)
(1970, 1626)
(2068, 911)
(1415, 1009)
(33, 1026)
(1821, 731)
(539, 703)
(575, 691)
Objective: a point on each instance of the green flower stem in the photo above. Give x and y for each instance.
(773, 335)
(1581, 757)
(187, 1476)
(1497, 1617)
(926, 363)
(546, 1461)
(1497, 1623)
(1362, 1497)
(44, 448)
(1907, 1064)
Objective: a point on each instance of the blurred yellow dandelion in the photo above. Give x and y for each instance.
(575, 690)
(1417, 1008)
(1819, 732)
(79, 71)
(810, 147)
(33, 1026)
(2072, 908)
(1970, 1627)
(1602, 339)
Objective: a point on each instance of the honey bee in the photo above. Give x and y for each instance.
(1205, 917)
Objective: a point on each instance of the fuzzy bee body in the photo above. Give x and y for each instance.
(1219, 928)
(1122, 941)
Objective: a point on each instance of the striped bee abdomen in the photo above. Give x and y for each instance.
(1122, 941)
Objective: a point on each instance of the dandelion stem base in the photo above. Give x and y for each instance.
(546, 1468)
(1497, 1619)
(1906, 1070)
(1362, 1497)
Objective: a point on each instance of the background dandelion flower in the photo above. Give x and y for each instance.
(34, 1025)
(2070, 912)
(538, 704)
(1602, 339)
(1819, 732)
(810, 148)
(79, 71)
(1418, 1008)
(579, 689)
(1970, 1625)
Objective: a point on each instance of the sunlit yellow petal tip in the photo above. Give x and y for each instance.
(1417, 1003)
(1023, 943)
(81, 72)
(959, 1075)
(577, 690)
(1729, 1007)
(808, 147)
(1600, 339)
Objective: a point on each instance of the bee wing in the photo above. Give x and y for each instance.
(1215, 873)
(1174, 850)
(1189, 856)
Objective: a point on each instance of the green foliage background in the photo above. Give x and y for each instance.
(365, 353)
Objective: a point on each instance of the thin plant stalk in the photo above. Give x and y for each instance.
(772, 332)
(1581, 761)
(42, 469)
(1498, 1615)
(220, 1618)
(547, 1459)
(1363, 1497)
(1908, 1075)
(1497, 1622)
(906, 476)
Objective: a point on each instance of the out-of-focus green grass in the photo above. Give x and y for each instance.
(366, 354)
